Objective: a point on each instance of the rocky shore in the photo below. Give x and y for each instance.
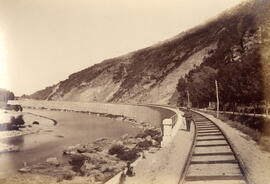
(100, 160)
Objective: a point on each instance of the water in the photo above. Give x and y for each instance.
(72, 128)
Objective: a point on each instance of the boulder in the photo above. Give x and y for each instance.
(155, 143)
(132, 141)
(153, 150)
(69, 175)
(148, 138)
(53, 161)
(125, 136)
(71, 149)
(87, 167)
(120, 143)
(25, 170)
(82, 149)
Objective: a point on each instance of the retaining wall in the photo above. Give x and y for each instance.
(140, 113)
(171, 126)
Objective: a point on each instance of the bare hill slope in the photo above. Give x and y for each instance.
(151, 75)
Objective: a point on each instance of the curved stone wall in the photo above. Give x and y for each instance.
(138, 112)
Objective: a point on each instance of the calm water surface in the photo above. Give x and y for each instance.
(72, 128)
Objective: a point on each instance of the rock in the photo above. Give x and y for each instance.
(60, 136)
(13, 148)
(119, 118)
(148, 138)
(82, 149)
(140, 140)
(35, 123)
(71, 149)
(66, 176)
(119, 143)
(25, 170)
(132, 141)
(130, 146)
(87, 167)
(155, 143)
(53, 161)
(144, 144)
(97, 174)
(125, 136)
(104, 168)
(77, 159)
(153, 150)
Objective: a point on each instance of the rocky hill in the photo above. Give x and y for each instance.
(152, 74)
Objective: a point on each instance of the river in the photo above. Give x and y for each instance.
(72, 128)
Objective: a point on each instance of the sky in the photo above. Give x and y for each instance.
(44, 41)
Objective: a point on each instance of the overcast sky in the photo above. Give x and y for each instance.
(44, 41)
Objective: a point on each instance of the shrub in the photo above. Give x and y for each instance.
(123, 154)
(116, 149)
(158, 138)
(144, 144)
(152, 132)
(141, 135)
(77, 161)
(130, 155)
(17, 121)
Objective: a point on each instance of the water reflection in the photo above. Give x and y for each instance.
(72, 128)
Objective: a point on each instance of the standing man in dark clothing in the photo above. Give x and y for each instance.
(188, 116)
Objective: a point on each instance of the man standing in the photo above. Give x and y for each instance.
(188, 117)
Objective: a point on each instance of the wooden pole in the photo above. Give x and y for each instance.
(188, 103)
(266, 104)
(217, 98)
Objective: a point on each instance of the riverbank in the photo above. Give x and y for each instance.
(33, 124)
(103, 160)
(98, 161)
(129, 148)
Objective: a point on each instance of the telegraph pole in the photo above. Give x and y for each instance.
(188, 102)
(217, 98)
(266, 109)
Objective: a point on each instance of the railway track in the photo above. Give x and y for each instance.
(212, 159)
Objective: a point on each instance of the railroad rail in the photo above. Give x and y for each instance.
(212, 158)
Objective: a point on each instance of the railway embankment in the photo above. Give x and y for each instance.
(169, 162)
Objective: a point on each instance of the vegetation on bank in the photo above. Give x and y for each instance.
(240, 63)
(258, 128)
(5, 96)
(14, 124)
(241, 66)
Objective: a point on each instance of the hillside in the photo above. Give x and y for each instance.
(152, 74)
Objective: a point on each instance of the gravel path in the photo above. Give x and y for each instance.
(166, 165)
